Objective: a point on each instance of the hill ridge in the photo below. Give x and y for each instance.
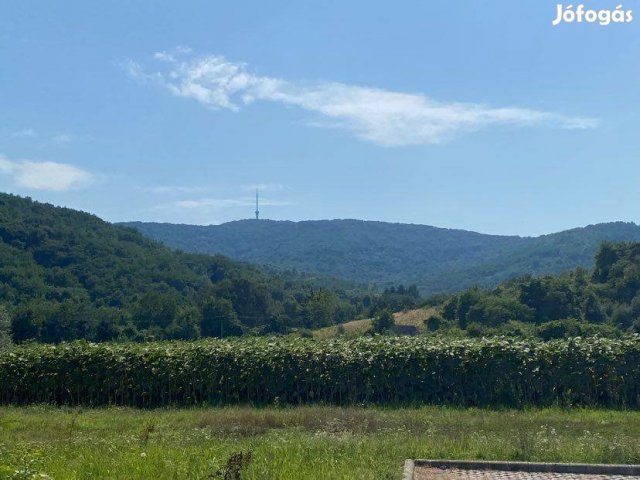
(382, 253)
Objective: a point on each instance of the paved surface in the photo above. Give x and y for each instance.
(433, 473)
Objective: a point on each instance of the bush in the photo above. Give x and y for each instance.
(498, 372)
(574, 328)
(433, 323)
(475, 330)
(383, 322)
(560, 329)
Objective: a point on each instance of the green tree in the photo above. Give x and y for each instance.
(495, 310)
(592, 309)
(186, 325)
(219, 319)
(433, 323)
(466, 300)
(450, 308)
(155, 309)
(382, 322)
(5, 329)
(320, 310)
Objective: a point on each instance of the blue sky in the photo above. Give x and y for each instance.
(473, 115)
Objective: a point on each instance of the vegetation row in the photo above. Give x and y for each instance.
(378, 370)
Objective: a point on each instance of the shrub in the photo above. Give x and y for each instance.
(383, 322)
(496, 371)
(560, 329)
(433, 323)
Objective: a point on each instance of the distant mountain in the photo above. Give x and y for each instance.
(383, 254)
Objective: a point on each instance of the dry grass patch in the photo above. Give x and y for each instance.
(410, 322)
(248, 421)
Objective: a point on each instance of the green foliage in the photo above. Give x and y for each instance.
(435, 259)
(606, 302)
(382, 322)
(5, 329)
(549, 298)
(219, 319)
(381, 369)
(496, 310)
(433, 323)
(68, 275)
(572, 327)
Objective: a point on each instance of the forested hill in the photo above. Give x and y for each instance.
(603, 301)
(66, 274)
(435, 259)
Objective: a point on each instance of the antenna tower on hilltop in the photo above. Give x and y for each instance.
(257, 209)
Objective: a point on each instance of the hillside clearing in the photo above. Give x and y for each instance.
(409, 322)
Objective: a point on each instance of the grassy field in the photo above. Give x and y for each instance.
(292, 443)
(410, 322)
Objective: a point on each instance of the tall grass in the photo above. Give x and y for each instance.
(300, 442)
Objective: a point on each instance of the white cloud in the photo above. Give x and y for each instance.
(24, 133)
(62, 138)
(379, 116)
(58, 138)
(44, 175)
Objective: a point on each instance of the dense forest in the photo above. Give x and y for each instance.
(603, 301)
(437, 260)
(68, 275)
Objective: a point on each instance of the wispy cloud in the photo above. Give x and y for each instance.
(379, 116)
(24, 133)
(274, 187)
(175, 189)
(219, 203)
(43, 175)
(62, 138)
(32, 133)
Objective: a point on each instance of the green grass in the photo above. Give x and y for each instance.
(304, 442)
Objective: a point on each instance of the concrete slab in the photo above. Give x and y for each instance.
(488, 470)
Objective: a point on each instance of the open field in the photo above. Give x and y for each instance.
(302, 442)
(409, 322)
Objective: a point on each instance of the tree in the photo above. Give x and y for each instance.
(592, 309)
(465, 301)
(26, 323)
(155, 309)
(320, 310)
(433, 323)
(219, 319)
(605, 258)
(450, 309)
(5, 329)
(186, 326)
(383, 322)
(552, 298)
(496, 310)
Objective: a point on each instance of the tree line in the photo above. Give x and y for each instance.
(604, 301)
(67, 275)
